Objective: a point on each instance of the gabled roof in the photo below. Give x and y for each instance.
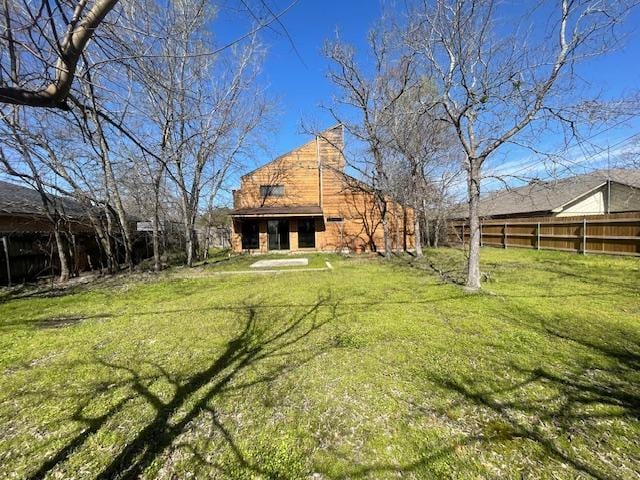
(21, 200)
(299, 147)
(548, 196)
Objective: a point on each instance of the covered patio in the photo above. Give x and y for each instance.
(267, 229)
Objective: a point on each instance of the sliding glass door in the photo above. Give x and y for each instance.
(278, 233)
(250, 235)
(306, 233)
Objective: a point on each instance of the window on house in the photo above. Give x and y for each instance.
(335, 219)
(271, 191)
(306, 233)
(250, 235)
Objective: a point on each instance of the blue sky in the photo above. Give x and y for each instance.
(296, 77)
(298, 80)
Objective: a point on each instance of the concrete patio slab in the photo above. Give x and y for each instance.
(285, 262)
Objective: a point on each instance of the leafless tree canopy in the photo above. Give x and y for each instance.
(145, 99)
(502, 83)
(152, 115)
(42, 45)
(369, 98)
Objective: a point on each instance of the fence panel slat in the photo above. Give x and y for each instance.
(615, 234)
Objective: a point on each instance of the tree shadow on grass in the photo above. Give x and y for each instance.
(61, 321)
(452, 269)
(274, 342)
(594, 276)
(574, 414)
(88, 282)
(563, 406)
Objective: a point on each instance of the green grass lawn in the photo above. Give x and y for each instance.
(370, 370)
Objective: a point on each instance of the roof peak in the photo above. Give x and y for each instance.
(298, 147)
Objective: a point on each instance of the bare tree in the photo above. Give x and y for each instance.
(201, 109)
(630, 158)
(152, 93)
(49, 41)
(422, 143)
(496, 80)
(19, 163)
(438, 201)
(60, 158)
(371, 98)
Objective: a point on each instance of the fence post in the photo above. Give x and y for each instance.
(538, 237)
(584, 236)
(5, 244)
(480, 232)
(462, 234)
(504, 232)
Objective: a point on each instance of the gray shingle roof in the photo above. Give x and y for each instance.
(21, 200)
(545, 196)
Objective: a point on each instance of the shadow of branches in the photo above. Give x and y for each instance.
(273, 340)
(564, 405)
(569, 413)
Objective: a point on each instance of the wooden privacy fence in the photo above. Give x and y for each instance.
(615, 234)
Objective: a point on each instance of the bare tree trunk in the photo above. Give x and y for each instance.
(156, 240)
(190, 246)
(188, 225)
(386, 238)
(112, 250)
(207, 237)
(436, 233)
(155, 235)
(62, 255)
(416, 234)
(427, 232)
(73, 255)
(188, 231)
(473, 266)
(122, 220)
(112, 186)
(156, 250)
(404, 229)
(397, 225)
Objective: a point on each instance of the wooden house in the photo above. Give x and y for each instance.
(304, 201)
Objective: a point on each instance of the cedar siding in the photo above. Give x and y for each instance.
(311, 190)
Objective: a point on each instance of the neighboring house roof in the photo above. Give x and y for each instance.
(549, 196)
(298, 211)
(21, 200)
